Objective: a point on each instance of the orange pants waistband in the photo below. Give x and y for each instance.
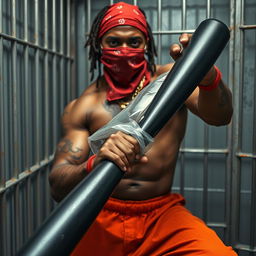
(128, 207)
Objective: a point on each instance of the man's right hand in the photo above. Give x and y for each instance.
(122, 149)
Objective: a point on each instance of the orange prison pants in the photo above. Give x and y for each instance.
(159, 226)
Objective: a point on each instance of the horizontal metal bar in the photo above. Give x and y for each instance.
(217, 190)
(244, 247)
(191, 189)
(171, 32)
(11, 38)
(247, 26)
(26, 173)
(245, 155)
(216, 225)
(208, 151)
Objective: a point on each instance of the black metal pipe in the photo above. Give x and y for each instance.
(70, 220)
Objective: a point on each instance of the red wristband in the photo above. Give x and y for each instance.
(215, 83)
(89, 163)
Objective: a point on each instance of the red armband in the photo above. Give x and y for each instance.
(215, 83)
(89, 163)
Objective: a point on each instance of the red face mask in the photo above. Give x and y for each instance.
(124, 68)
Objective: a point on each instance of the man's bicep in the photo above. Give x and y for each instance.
(73, 148)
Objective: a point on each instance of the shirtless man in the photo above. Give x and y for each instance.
(142, 217)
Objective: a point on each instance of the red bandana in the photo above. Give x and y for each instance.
(124, 68)
(123, 14)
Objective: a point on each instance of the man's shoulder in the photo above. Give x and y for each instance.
(77, 113)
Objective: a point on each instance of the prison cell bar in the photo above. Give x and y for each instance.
(68, 223)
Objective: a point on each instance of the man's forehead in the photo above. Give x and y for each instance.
(129, 30)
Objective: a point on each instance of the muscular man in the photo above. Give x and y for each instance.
(142, 217)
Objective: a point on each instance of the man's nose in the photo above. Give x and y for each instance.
(124, 44)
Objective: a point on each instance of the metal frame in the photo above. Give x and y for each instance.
(23, 183)
(24, 164)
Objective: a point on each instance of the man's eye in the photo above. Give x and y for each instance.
(135, 43)
(113, 43)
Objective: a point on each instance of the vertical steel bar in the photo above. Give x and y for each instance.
(38, 106)
(253, 197)
(205, 173)
(182, 154)
(28, 120)
(14, 94)
(68, 62)
(47, 95)
(184, 14)
(159, 27)
(61, 85)
(3, 236)
(228, 182)
(237, 99)
(208, 9)
(2, 149)
(89, 10)
(16, 129)
(54, 83)
(205, 162)
(1, 16)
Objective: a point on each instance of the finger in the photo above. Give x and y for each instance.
(127, 149)
(135, 144)
(185, 39)
(115, 155)
(175, 51)
(130, 144)
(143, 159)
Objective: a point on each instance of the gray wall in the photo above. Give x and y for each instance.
(43, 65)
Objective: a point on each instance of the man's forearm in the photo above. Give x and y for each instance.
(215, 106)
(64, 177)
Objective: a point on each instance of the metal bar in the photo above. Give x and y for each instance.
(2, 134)
(236, 125)
(33, 45)
(30, 215)
(61, 84)
(253, 181)
(38, 123)
(46, 83)
(17, 218)
(25, 174)
(173, 32)
(245, 155)
(208, 9)
(3, 228)
(184, 15)
(38, 104)
(244, 27)
(89, 9)
(54, 72)
(68, 39)
(182, 173)
(229, 160)
(159, 27)
(205, 173)
(1, 16)
(198, 150)
(244, 247)
(15, 114)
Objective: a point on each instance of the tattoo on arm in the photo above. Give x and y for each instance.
(67, 147)
(223, 96)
